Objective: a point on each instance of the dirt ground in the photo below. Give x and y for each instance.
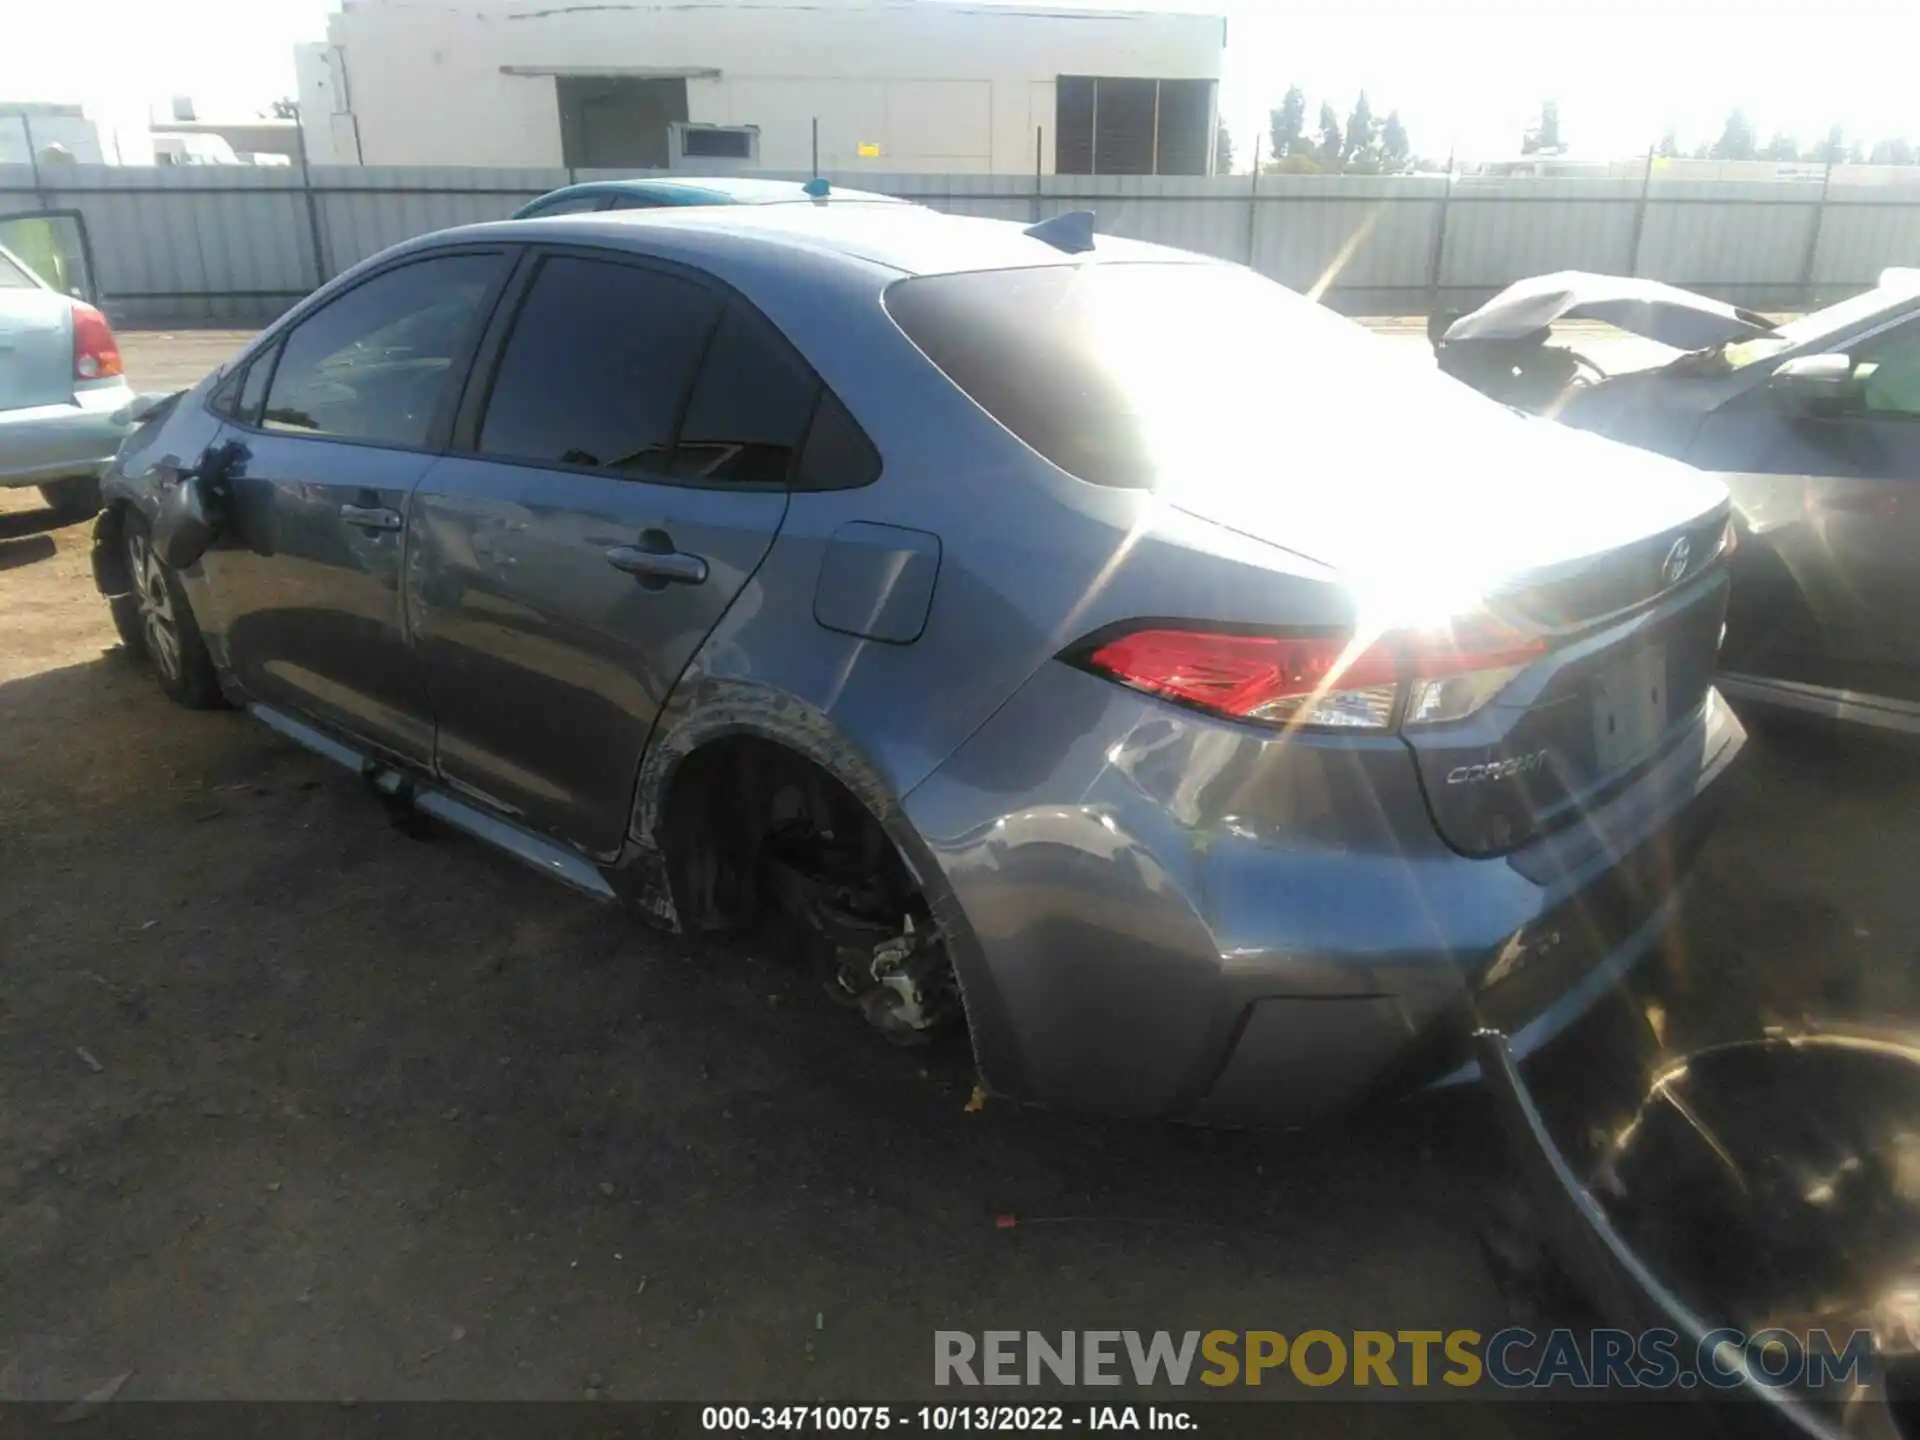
(295, 1105)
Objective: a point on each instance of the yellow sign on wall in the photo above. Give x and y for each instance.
(869, 149)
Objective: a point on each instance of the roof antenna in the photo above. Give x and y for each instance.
(1071, 232)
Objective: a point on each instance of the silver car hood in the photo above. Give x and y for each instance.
(1659, 312)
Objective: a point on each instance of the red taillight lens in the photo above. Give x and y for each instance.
(1310, 680)
(1324, 681)
(96, 354)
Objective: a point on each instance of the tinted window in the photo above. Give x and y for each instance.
(227, 393)
(572, 205)
(635, 202)
(838, 455)
(597, 366)
(253, 390)
(1144, 375)
(750, 407)
(1886, 372)
(379, 362)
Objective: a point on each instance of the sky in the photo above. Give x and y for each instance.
(1467, 76)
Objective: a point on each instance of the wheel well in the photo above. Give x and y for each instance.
(732, 800)
(761, 838)
(110, 555)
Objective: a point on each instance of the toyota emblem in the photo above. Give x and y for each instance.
(1674, 567)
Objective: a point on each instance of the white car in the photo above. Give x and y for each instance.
(62, 391)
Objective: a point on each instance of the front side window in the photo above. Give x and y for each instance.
(253, 390)
(597, 367)
(381, 361)
(1887, 373)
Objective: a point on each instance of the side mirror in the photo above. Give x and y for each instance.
(189, 518)
(1814, 384)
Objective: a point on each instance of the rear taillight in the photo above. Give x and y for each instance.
(1325, 681)
(96, 354)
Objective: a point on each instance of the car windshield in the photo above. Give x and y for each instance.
(1153, 376)
(1811, 329)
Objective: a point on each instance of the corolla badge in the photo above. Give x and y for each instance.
(1675, 565)
(1496, 769)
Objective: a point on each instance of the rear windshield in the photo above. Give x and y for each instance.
(1138, 375)
(13, 276)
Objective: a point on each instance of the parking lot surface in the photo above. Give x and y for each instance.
(301, 1104)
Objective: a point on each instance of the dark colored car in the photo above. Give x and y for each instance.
(592, 196)
(1213, 747)
(1814, 425)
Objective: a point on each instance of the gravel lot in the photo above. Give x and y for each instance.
(294, 1104)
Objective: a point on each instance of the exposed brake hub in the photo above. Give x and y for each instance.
(871, 952)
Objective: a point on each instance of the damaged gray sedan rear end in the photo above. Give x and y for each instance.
(1064, 638)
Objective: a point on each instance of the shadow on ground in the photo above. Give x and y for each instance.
(302, 1106)
(380, 1116)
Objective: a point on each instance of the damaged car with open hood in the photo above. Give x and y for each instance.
(1811, 423)
(1814, 425)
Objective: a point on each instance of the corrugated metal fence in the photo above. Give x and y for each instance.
(240, 244)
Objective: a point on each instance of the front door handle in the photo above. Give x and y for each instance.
(669, 567)
(370, 517)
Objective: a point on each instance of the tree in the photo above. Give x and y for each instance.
(1363, 132)
(1543, 136)
(1782, 147)
(285, 108)
(1331, 138)
(1737, 140)
(1669, 146)
(1897, 151)
(1395, 148)
(1833, 149)
(1222, 150)
(1285, 124)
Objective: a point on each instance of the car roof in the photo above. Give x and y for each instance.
(710, 190)
(910, 239)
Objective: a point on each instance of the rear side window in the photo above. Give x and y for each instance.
(750, 408)
(838, 455)
(379, 362)
(597, 367)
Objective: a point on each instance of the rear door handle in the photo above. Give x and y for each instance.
(672, 567)
(371, 517)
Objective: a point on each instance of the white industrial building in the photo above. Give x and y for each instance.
(885, 85)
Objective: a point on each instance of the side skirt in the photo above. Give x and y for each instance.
(1851, 707)
(523, 845)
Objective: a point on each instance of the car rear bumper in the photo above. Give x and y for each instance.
(1173, 916)
(58, 442)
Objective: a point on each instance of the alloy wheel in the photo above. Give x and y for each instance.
(158, 622)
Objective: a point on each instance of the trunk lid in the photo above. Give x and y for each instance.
(1662, 313)
(36, 347)
(1632, 663)
(1610, 552)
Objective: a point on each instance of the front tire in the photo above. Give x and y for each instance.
(156, 622)
(71, 500)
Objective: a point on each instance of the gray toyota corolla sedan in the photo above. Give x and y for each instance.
(1087, 643)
